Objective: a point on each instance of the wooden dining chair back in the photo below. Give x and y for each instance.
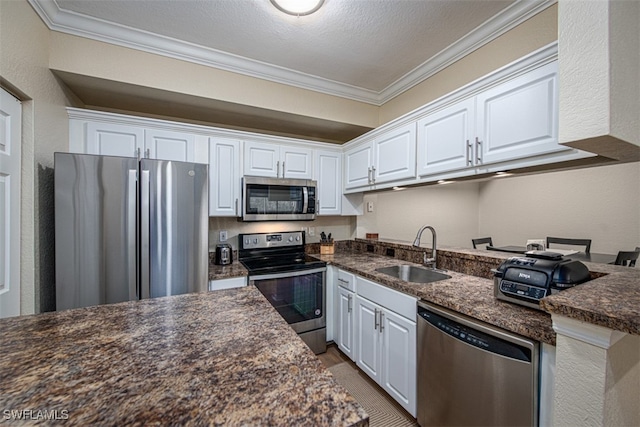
(573, 242)
(627, 258)
(481, 241)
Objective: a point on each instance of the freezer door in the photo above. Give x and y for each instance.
(95, 225)
(174, 228)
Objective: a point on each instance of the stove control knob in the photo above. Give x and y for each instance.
(298, 238)
(246, 241)
(291, 238)
(255, 241)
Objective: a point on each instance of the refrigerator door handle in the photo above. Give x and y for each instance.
(132, 249)
(145, 265)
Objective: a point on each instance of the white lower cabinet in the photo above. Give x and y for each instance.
(345, 323)
(385, 340)
(232, 282)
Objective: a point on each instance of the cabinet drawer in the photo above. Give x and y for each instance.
(347, 280)
(398, 302)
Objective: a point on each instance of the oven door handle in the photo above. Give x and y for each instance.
(283, 275)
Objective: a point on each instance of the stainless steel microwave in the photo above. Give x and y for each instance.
(275, 199)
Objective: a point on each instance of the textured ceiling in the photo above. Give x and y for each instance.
(364, 43)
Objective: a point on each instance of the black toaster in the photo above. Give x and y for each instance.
(525, 280)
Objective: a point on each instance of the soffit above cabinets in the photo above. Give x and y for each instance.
(369, 51)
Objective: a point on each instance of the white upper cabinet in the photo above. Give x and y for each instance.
(277, 161)
(444, 139)
(169, 145)
(328, 174)
(109, 134)
(390, 156)
(358, 162)
(519, 118)
(110, 139)
(514, 120)
(395, 154)
(224, 177)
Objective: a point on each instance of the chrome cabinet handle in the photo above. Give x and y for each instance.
(369, 175)
(381, 321)
(373, 174)
(278, 169)
(375, 319)
(283, 169)
(469, 156)
(137, 153)
(343, 281)
(236, 207)
(349, 307)
(478, 150)
(147, 153)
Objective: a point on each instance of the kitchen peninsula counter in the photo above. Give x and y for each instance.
(611, 299)
(213, 358)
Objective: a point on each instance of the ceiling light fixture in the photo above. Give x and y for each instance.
(297, 7)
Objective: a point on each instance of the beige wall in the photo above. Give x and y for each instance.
(340, 227)
(527, 37)
(86, 57)
(24, 57)
(601, 203)
(452, 209)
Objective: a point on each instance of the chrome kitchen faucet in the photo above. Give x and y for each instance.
(432, 262)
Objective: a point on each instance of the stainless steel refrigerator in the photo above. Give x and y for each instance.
(128, 229)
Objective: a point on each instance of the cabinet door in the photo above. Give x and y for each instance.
(399, 359)
(445, 138)
(168, 145)
(224, 177)
(261, 159)
(368, 337)
(110, 139)
(395, 155)
(345, 326)
(329, 176)
(295, 162)
(519, 118)
(358, 162)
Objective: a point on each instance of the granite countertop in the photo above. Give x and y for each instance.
(213, 358)
(611, 299)
(219, 272)
(465, 294)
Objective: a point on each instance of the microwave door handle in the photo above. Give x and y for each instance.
(305, 196)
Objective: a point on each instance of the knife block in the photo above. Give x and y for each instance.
(326, 248)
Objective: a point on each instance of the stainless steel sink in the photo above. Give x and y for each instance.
(411, 273)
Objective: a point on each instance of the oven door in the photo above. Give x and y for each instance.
(299, 296)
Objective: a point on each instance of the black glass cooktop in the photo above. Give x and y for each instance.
(281, 263)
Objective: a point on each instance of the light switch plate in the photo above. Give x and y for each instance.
(223, 235)
(312, 231)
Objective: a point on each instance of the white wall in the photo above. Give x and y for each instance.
(451, 209)
(601, 204)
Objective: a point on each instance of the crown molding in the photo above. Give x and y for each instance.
(72, 23)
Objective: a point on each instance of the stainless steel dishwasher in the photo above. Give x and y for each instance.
(473, 374)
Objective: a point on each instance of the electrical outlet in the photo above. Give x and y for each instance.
(369, 206)
(223, 235)
(312, 231)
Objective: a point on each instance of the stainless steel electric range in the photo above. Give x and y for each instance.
(292, 281)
